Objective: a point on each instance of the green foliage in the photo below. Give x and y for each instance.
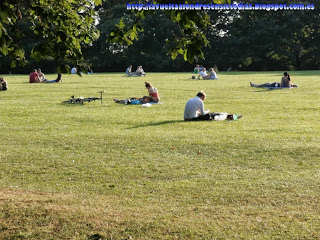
(191, 38)
(61, 28)
(150, 49)
(268, 39)
(62, 32)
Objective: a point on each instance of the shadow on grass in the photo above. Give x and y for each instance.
(157, 124)
(264, 89)
(81, 105)
(267, 89)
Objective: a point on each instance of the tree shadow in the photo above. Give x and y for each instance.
(157, 124)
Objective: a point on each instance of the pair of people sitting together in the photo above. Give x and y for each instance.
(194, 109)
(138, 73)
(37, 76)
(152, 98)
(285, 83)
(212, 74)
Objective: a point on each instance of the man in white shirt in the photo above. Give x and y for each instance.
(203, 73)
(73, 70)
(194, 109)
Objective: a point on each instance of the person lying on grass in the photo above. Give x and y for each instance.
(34, 77)
(3, 84)
(58, 79)
(44, 80)
(285, 83)
(194, 111)
(152, 98)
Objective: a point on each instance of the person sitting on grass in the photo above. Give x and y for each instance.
(203, 73)
(285, 83)
(140, 72)
(3, 84)
(196, 69)
(73, 70)
(41, 75)
(34, 77)
(212, 74)
(215, 68)
(285, 80)
(194, 111)
(128, 71)
(152, 98)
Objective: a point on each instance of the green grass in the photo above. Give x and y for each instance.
(126, 172)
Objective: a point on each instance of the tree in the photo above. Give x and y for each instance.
(151, 50)
(268, 40)
(192, 25)
(60, 26)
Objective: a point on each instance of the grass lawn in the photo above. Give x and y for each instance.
(116, 171)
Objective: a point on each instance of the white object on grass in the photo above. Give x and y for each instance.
(220, 117)
(146, 105)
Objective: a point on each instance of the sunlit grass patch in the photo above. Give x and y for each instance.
(119, 171)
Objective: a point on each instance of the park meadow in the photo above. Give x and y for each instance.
(115, 171)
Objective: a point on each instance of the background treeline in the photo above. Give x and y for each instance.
(245, 40)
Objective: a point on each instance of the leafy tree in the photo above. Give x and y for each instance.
(60, 26)
(268, 40)
(65, 30)
(188, 43)
(151, 50)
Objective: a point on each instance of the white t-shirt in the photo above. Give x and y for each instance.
(213, 75)
(73, 70)
(193, 106)
(203, 73)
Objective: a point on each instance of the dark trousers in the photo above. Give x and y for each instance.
(208, 117)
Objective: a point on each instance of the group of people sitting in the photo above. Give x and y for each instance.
(194, 109)
(37, 76)
(202, 71)
(75, 71)
(152, 98)
(138, 73)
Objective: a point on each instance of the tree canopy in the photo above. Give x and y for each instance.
(109, 36)
(60, 27)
